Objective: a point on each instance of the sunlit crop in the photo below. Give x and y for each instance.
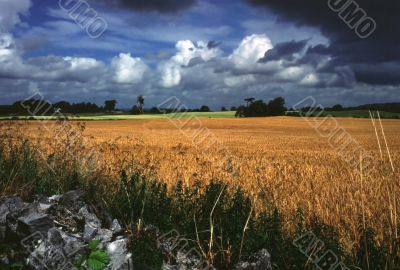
(282, 159)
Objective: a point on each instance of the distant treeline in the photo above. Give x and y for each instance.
(259, 108)
(276, 107)
(253, 108)
(156, 110)
(40, 107)
(385, 107)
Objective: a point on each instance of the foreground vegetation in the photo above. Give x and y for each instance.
(224, 220)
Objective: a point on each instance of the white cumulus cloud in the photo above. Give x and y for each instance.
(8, 51)
(128, 69)
(291, 74)
(171, 70)
(235, 81)
(251, 49)
(170, 75)
(187, 51)
(82, 63)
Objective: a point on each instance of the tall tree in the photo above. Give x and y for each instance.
(249, 101)
(276, 107)
(205, 108)
(140, 103)
(109, 105)
(337, 107)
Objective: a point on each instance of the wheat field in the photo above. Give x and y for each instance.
(281, 158)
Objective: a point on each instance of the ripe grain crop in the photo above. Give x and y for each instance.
(282, 159)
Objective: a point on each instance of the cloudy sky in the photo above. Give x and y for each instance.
(204, 52)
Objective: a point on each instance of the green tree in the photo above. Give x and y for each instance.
(136, 110)
(259, 108)
(155, 110)
(337, 107)
(249, 101)
(109, 105)
(205, 108)
(140, 104)
(256, 108)
(276, 107)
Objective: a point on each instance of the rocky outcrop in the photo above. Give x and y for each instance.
(7, 206)
(259, 261)
(184, 261)
(56, 231)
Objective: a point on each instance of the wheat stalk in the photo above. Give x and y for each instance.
(210, 244)
(384, 137)
(363, 210)
(376, 134)
(244, 231)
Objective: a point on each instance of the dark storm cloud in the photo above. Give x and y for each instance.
(213, 44)
(382, 74)
(162, 6)
(318, 49)
(284, 50)
(346, 47)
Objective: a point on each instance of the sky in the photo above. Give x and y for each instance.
(203, 52)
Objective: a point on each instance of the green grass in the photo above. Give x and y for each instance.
(230, 114)
(99, 117)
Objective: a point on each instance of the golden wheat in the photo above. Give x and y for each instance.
(284, 158)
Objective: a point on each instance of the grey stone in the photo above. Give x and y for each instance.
(115, 226)
(72, 244)
(104, 236)
(259, 261)
(44, 207)
(7, 206)
(58, 251)
(90, 218)
(55, 198)
(188, 261)
(34, 222)
(71, 198)
(27, 221)
(58, 248)
(89, 232)
(120, 258)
